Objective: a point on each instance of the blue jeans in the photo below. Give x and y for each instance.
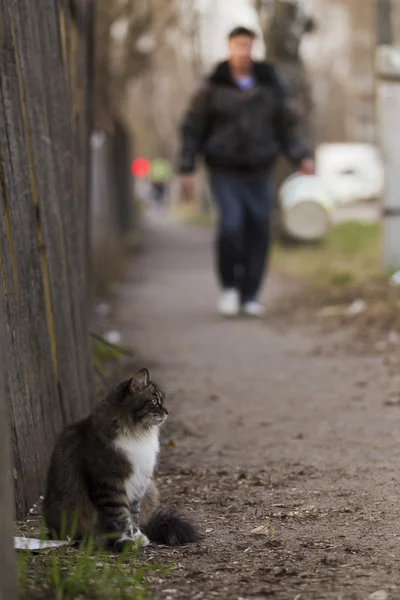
(245, 204)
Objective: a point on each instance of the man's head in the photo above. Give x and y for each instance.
(240, 44)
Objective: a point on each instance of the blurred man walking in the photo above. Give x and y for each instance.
(239, 121)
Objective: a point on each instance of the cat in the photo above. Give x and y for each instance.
(100, 478)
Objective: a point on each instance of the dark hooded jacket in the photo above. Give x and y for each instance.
(238, 130)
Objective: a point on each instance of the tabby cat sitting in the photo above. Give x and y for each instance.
(100, 479)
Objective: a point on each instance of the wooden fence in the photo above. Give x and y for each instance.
(45, 95)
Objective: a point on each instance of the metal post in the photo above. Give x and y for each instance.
(388, 107)
(388, 118)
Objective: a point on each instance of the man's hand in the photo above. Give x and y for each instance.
(187, 187)
(307, 167)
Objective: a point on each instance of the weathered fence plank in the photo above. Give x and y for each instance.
(43, 230)
(8, 578)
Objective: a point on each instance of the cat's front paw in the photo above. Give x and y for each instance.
(140, 539)
(135, 540)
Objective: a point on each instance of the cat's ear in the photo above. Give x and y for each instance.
(140, 380)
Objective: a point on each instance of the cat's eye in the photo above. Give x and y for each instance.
(157, 401)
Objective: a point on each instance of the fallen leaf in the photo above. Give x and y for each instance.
(263, 530)
(209, 530)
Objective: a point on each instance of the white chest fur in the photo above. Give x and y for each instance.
(142, 454)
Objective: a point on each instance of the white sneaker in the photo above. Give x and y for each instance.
(229, 303)
(253, 309)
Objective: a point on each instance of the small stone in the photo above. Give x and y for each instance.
(356, 307)
(113, 337)
(379, 595)
(394, 280)
(362, 384)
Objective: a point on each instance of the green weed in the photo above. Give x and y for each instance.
(348, 255)
(75, 573)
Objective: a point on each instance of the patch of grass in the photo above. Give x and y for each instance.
(71, 573)
(349, 254)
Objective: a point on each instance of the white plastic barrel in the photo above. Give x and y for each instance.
(306, 207)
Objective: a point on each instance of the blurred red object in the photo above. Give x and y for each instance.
(140, 167)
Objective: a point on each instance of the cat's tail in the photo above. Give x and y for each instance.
(167, 526)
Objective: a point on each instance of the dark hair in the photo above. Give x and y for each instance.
(241, 31)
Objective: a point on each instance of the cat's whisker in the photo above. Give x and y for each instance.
(164, 429)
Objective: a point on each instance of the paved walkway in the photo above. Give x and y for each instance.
(264, 430)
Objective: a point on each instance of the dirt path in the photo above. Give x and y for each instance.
(264, 430)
